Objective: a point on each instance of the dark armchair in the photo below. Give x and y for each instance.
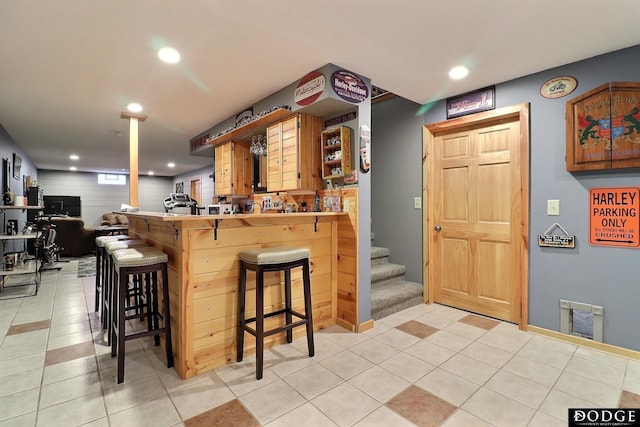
(73, 238)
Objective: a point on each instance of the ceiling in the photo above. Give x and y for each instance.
(68, 68)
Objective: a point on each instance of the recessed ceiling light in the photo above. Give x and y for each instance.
(73, 168)
(134, 107)
(150, 173)
(171, 165)
(169, 55)
(74, 157)
(458, 72)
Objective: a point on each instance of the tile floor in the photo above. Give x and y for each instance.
(429, 365)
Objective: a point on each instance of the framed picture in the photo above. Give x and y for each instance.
(471, 102)
(179, 187)
(17, 164)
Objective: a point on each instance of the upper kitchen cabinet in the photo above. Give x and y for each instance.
(294, 155)
(233, 164)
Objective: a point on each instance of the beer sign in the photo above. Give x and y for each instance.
(613, 217)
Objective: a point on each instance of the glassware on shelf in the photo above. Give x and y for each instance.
(258, 145)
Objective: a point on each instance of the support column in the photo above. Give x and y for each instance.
(133, 154)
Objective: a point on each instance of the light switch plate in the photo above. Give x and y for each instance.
(417, 203)
(553, 207)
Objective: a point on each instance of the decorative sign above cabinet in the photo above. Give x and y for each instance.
(603, 128)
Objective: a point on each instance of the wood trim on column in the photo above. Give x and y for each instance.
(133, 154)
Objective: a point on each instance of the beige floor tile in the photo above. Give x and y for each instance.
(346, 364)
(397, 318)
(313, 380)
(345, 404)
(241, 377)
(69, 339)
(373, 350)
(464, 330)
(272, 401)
(461, 418)
(21, 381)
(134, 370)
(132, 393)
(201, 396)
(497, 409)
(324, 347)
(598, 356)
(384, 416)
(450, 312)
(71, 328)
(380, 384)
(69, 389)
(378, 328)
(21, 364)
(397, 339)
(341, 336)
(72, 368)
(11, 352)
(557, 404)
(20, 403)
(430, 352)
(487, 354)
(26, 420)
(542, 352)
(155, 413)
(597, 371)
(435, 320)
(84, 409)
(100, 422)
(540, 419)
(469, 369)
(306, 414)
(449, 341)
(588, 389)
(518, 388)
(447, 386)
(37, 337)
(527, 368)
(406, 366)
(502, 342)
(632, 377)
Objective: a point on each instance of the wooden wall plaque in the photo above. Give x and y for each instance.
(603, 128)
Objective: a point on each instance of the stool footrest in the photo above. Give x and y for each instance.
(144, 334)
(282, 328)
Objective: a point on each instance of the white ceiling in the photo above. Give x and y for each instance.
(68, 68)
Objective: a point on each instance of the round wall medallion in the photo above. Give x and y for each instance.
(558, 87)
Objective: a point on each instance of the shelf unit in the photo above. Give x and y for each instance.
(8, 278)
(254, 127)
(336, 152)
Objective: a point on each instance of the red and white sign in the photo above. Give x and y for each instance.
(309, 88)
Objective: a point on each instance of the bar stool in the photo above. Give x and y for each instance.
(282, 258)
(136, 261)
(107, 293)
(100, 267)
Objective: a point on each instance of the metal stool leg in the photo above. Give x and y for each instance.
(241, 312)
(287, 301)
(259, 321)
(306, 276)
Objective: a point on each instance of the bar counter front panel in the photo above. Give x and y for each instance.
(203, 276)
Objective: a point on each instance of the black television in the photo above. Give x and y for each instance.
(62, 205)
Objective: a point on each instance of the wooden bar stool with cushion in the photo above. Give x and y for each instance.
(100, 267)
(138, 261)
(107, 293)
(282, 258)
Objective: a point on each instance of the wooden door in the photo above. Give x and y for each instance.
(477, 214)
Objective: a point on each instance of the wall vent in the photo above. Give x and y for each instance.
(582, 320)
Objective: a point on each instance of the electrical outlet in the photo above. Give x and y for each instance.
(417, 203)
(553, 207)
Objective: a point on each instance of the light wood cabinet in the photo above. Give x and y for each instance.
(233, 168)
(293, 154)
(336, 152)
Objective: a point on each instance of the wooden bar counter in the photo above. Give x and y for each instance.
(203, 275)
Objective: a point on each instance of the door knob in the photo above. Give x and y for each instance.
(437, 228)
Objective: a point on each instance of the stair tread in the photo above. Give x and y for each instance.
(379, 252)
(386, 271)
(394, 292)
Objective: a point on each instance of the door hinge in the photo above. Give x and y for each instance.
(298, 175)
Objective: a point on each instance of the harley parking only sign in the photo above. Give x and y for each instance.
(613, 217)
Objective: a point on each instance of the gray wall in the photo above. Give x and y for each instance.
(99, 199)
(7, 148)
(396, 178)
(603, 276)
